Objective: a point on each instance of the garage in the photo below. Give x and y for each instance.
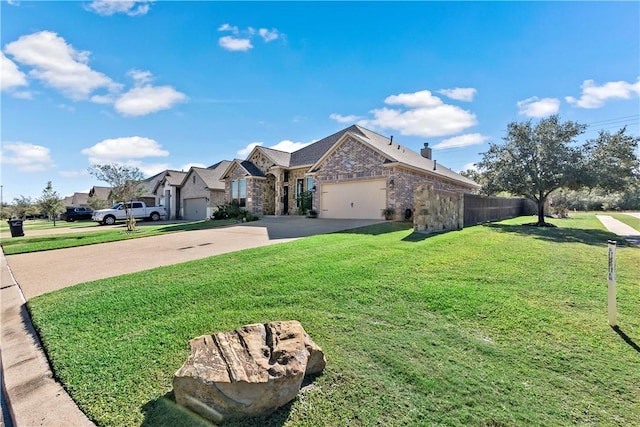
(195, 209)
(354, 200)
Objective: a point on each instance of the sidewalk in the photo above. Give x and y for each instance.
(32, 395)
(628, 233)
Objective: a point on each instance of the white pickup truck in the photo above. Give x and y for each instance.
(138, 210)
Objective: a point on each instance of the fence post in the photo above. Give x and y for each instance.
(612, 283)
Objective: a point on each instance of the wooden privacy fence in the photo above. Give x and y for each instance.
(479, 209)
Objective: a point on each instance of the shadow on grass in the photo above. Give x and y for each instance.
(379, 229)
(165, 412)
(626, 338)
(561, 235)
(199, 225)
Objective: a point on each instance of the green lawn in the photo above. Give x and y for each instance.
(41, 224)
(47, 242)
(499, 324)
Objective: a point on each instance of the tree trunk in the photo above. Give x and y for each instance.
(541, 201)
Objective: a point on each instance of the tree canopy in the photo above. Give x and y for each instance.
(50, 202)
(125, 182)
(536, 159)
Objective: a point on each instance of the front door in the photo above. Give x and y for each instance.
(285, 199)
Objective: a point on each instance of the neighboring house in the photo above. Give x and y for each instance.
(102, 193)
(201, 191)
(354, 173)
(167, 191)
(77, 200)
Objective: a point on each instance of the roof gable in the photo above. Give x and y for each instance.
(312, 153)
(395, 154)
(211, 176)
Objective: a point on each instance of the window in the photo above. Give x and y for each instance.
(309, 183)
(239, 191)
(299, 187)
(193, 179)
(286, 176)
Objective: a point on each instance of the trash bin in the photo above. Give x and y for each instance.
(15, 225)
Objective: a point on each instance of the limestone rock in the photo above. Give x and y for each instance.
(250, 371)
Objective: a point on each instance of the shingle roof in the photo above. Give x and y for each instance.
(100, 192)
(211, 175)
(175, 177)
(251, 168)
(312, 153)
(281, 158)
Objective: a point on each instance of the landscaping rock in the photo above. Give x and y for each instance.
(250, 371)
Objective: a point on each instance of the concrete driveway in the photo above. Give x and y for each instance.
(41, 272)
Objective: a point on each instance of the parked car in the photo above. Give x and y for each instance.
(139, 210)
(75, 214)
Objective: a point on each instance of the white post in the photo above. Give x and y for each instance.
(612, 283)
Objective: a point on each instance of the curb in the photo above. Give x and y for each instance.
(33, 396)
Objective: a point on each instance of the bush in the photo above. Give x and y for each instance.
(232, 210)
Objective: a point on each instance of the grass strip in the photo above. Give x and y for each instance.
(27, 244)
(499, 324)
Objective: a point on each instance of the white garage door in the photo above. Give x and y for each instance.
(357, 200)
(195, 209)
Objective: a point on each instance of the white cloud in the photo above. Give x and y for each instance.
(268, 35)
(111, 7)
(59, 65)
(470, 166)
(246, 150)
(123, 150)
(594, 96)
(234, 44)
(190, 165)
(344, 119)
(148, 99)
(13, 2)
(289, 146)
(227, 27)
(26, 157)
(426, 116)
(11, 76)
(535, 107)
(420, 99)
(75, 174)
(140, 77)
(284, 145)
(241, 39)
(461, 141)
(460, 93)
(148, 169)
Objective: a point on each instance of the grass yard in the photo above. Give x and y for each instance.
(499, 324)
(41, 224)
(47, 242)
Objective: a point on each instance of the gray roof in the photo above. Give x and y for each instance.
(251, 168)
(395, 152)
(211, 175)
(100, 192)
(312, 153)
(174, 177)
(280, 158)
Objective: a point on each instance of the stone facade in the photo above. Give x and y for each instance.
(194, 187)
(351, 161)
(436, 209)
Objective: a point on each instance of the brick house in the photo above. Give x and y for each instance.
(354, 173)
(201, 191)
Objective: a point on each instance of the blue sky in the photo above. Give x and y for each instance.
(165, 85)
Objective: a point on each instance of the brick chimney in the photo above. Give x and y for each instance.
(426, 151)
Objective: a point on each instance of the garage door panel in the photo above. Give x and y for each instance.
(195, 209)
(357, 200)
